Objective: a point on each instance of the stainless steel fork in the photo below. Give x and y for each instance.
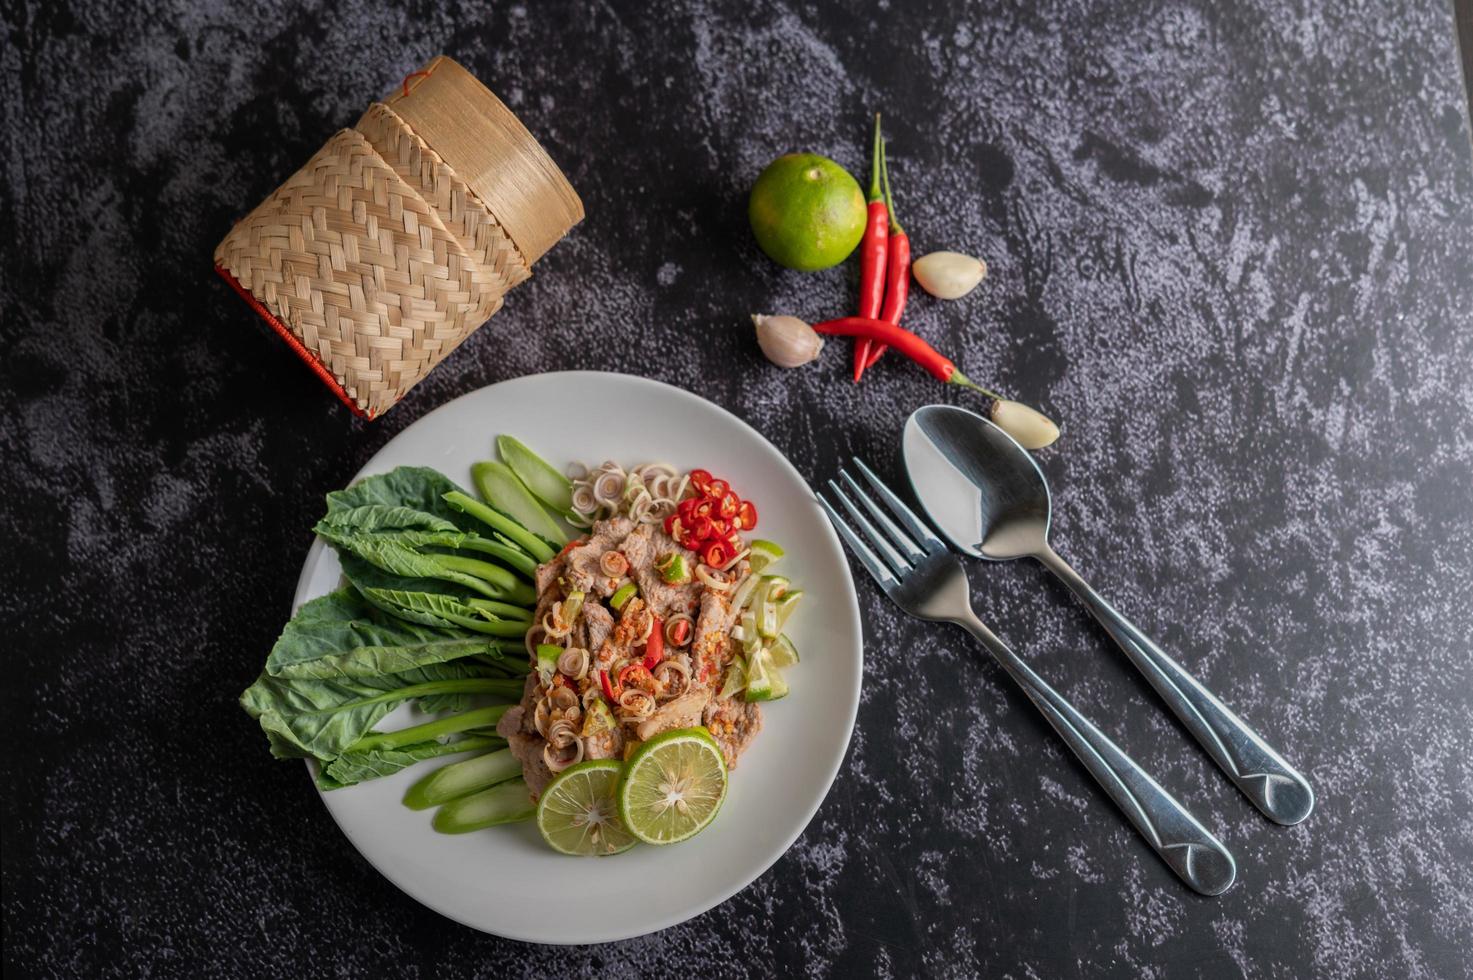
(925, 579)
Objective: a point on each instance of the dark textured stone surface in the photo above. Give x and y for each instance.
(1231, 248)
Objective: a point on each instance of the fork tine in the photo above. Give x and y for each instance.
(876, 540)
(912, 550)
(913, 524)
(871, 562)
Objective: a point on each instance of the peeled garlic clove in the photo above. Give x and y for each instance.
(1031, 428)
(786, 340)
(948, 275)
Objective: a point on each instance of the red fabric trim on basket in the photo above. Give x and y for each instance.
(311, 359)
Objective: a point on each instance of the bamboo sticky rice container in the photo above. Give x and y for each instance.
(401, 235)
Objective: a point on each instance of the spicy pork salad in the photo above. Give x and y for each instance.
(601, 641)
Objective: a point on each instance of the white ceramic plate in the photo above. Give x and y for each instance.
(505, 880)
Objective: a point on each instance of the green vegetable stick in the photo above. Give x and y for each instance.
(462, 779)
(503, 490)
(534, 545)
(475, 718)
(546, 483)
(508, 802)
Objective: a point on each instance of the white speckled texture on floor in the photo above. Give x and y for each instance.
(1230, 250)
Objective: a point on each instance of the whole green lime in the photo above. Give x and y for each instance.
(807, 212)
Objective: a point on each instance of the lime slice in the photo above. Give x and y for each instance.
(736, 678)
(673, 786)
(578, 813)
(764, 681)
(784, 654)
(785, 607)
(764, 553)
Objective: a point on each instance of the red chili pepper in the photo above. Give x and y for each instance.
(570, 546)
(699, 479)
(704, 508)
(716, 554)
(873, 254)
(904, 341)
(670, 524)
(603, 679)
(654, 650)
(729, 506)
(701, 528)
(681, 631)
(746, 518)
(897, 270)
(717, 489)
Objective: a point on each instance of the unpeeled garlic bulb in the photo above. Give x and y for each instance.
(948, 275)
(1030, 427)
(786, 340)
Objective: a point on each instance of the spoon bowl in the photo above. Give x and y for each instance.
(999, 508)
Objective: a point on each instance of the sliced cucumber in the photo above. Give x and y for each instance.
(462, 778)
(507, 802)
(537, 475)
(736, 678)
(502, 490)
(784, 654)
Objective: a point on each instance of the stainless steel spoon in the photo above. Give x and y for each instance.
(988, 497)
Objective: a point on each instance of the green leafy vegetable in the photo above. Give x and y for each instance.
(444, 611)
(402, 553)
(325, 717)
(537, 475)
(357, 767)
(498, 521)
(341, 635)
(475, 718)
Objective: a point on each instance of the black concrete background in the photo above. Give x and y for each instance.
(1231, 249)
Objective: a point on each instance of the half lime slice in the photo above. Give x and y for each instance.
(578, 813)
(764, 553)
(673, 786)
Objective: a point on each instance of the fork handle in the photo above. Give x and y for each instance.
(1273, 785)
(1187, 847)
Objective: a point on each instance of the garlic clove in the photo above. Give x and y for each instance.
(786, 340)
(1030, 427)
(948, 275)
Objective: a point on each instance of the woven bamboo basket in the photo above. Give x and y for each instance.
(401, 235)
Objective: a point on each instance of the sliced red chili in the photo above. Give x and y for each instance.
(629, 669)
(719, 528)
(687, 508)
(747, 514)
(701, 528)
(603, 680)
(690, 542)
(670, 524)
(717, 489)
(704, 508)
(728, 505)
(570, 546)
(654, 650)
(716, 554)
(681, 631)
(699, 479)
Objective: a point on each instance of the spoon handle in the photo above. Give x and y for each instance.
(1187, 847)
(1273, 785)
